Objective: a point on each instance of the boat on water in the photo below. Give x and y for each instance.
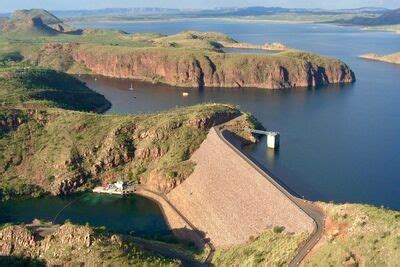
(185, 93)
(131, 88)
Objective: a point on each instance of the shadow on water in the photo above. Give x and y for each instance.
(13, 261)
(121, 214)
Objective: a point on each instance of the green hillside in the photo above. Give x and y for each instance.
(26, 87)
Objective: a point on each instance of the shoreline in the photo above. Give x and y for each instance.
(380, 58)
(179, 225)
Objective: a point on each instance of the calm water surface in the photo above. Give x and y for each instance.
(339, 143)
(122, 214)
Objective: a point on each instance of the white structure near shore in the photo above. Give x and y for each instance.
(117, 188)
(273, 139)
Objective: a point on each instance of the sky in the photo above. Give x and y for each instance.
(11, 5)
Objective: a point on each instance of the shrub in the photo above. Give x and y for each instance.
(278, 229)
(172, 174)
(51, 178)
(141, 170)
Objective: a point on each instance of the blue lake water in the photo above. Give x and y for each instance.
(338, 143)
(121, 214)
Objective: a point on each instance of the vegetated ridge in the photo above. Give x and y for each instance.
(187, 59)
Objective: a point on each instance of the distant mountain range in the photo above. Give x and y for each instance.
(245, 11)
(370, 10)
(262, 11)
(115, 12)
(391, 17)
(368, 16)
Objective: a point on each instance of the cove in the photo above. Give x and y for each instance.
(120, 214)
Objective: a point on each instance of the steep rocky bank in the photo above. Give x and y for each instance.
(152, 149)
(72, 245)
(187, 68)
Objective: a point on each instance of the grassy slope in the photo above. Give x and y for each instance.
(32, 87)
(269, 249)
(189, 39)
(359, 235)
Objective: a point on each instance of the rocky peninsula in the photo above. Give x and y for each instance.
(391, 58)
(186, 59)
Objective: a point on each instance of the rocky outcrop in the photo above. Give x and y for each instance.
(72, 245)
(186, 68)
(158, 182)
(10, 121)
(14, 239)
(216, 118)
(70, 185)
(65, 245)
(72, 235)
(19, 240)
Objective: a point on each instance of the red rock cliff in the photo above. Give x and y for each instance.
(210, 69)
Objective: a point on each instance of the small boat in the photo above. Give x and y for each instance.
(131, 88)
(185, 93)
(95, 79)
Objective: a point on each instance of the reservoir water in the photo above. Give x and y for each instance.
(121, 214)
(338, 143)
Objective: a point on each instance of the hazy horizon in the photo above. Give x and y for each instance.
(8, 6)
